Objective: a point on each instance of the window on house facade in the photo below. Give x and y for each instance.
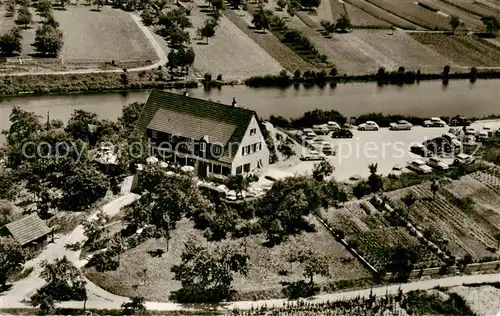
(239, 169)
(216, 169)
(259, 146)
(251, 149)
(217, 149)
(259, 163)
(246, 167)
(253, 131)
(244, 150)
(226, 171)
(254, 147)
(154, 134)
(203, 146)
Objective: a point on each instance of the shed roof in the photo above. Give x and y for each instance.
(28, 229)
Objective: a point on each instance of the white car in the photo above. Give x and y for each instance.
(436, 163)
(333, 126)
(321, 130)
(400, 125)
(488, 129)
(434, 122)
(463, 159)
(396, 172)
(313, 155)
(483, 136)
(368, 126)
(419, 166)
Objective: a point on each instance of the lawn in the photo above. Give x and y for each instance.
(371, 229)
(268, 266)
(91, 36)
(464, 215)
(466, 51)
(408, 10)
(230, 52)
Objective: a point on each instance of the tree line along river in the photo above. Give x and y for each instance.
(426, 99)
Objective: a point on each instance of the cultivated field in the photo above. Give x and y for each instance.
(270, 43)
(410, 11)
(268, 266)
(361, 19)
(230, 52)
(464, 216)
(383, 15)
(91, 36)
(483, 300)
(473, 7)
(463, 50)
(376, 238)
(470, 20)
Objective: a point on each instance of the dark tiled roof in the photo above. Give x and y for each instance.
(28, 229)
(194, 118)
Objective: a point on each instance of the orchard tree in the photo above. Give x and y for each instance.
(454, 22)
(50, 20)
(44, 8)
(491, 23)
(262, 19)
(12, 258)
(176, 18)
(435, 187)
(149, 16)
(409, 199)
(99, 4)
(206, 274)
(48, 40)
(11, 42)
(24, 17)
(313, 263)
(136, 306)
(322, 170)
(208, 30)
(10, 7)
(328, 26)
(343, 24)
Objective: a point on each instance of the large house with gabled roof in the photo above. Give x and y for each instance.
(218, 140)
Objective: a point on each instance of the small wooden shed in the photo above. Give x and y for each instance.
(28, 230)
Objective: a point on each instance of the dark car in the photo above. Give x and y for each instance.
(421, 150)
(342, 133)
(460, 121)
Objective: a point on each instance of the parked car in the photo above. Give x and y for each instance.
(308, 133)
(469, 140)
(453, 140)
(434, 122)
(469, 130)
(400, 125)
(420, 150)
(368, 126)
(488, 129)
(396, 172)
(483, 136)
(327, 149)
(321, 130)
(342, 133)
(457, 131)
(419, 166)
(463, 159)
(460, 121)
(333, 126)
(313, 155)
(436, 163)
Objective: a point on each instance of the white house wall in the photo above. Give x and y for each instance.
(253, 158)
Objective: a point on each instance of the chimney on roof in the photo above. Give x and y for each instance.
(186, 94)
(234, 104)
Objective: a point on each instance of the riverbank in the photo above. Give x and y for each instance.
(134, 81)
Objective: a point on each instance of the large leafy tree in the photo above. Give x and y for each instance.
(322, 170)
(24, 16)
(136, 306)
(206, 274)
(208, 29)
(454, 22)
(48, 40)
(130, 115)
(63, 283)
(24, 125)
(12, 258)
(11, 42)
(313, 264)
(81, 125)
(262, 19)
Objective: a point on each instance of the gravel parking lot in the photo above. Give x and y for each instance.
(384, 147)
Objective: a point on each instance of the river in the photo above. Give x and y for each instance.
(428, 98)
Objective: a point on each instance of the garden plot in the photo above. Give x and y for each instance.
(102, 36)
(373, 234)
(459, 215)
(140, 274)
(410, 11)
(230, 52)
(383, 15)
(466, 51)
